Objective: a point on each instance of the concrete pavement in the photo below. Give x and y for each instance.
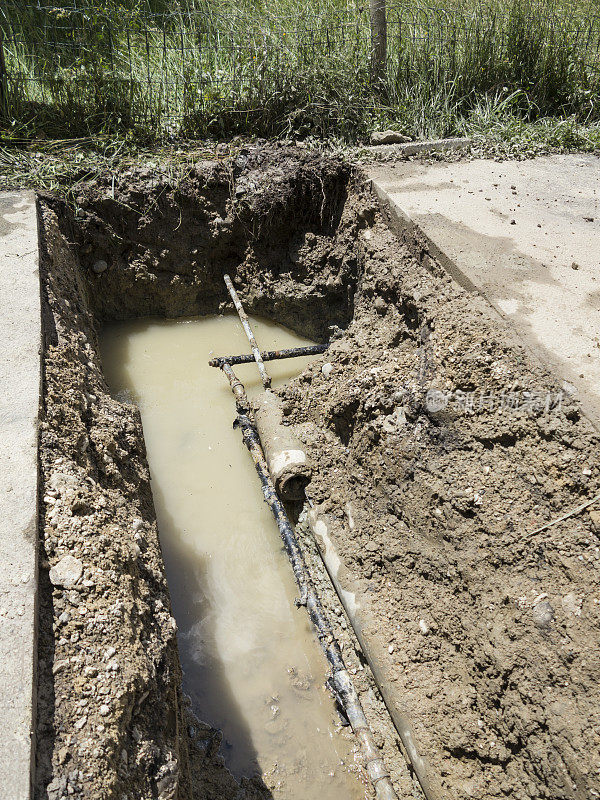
(20, 342)
(526, 234)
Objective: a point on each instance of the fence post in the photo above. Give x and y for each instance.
(3, 80)
(378, 39)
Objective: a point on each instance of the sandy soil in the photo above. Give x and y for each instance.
(431, 431)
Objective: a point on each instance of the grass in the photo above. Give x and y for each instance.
(156, 71)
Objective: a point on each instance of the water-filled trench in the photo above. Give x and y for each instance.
(252, 666)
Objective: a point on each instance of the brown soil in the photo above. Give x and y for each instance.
(493, 629)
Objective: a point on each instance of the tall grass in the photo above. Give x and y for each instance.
(196, 68)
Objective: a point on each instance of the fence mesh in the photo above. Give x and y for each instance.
(186, 69)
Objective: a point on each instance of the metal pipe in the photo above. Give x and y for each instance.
(359, 613)
(270, 355)
(248, 331)
(238, 389)
(342, 682)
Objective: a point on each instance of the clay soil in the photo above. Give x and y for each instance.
(434, 432)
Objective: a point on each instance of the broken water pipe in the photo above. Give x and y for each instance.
(289, 469)
(340, 683)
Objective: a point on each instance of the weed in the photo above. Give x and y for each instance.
(154, 71)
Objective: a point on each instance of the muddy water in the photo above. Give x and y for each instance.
(252, 666)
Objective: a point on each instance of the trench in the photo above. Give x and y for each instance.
(251, 663)
(428, 521)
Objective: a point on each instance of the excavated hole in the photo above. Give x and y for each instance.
(133, 247)
(469, 601)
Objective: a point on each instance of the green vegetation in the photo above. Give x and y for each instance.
(158, 70)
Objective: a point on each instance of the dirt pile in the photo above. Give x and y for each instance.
(432, 430)
(110, 703)
(442, 447)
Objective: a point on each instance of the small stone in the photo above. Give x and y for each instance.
(59, 666)
(595, 520)
(327, 369)
(513, 222)
(543, 614)
(80, 723)
(73, 598)
(67, 572)
(394, 421)
(62, 482)
(423, 627)
(574, 265)
(586, 471)
(104, 710)
(380, 305)
(391, 649)
(167, 787)
(571, 604)
(389, 137)
(99, 266)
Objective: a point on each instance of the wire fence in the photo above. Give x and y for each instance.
(186, 70)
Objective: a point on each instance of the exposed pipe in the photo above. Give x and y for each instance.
(248, 331)
(359, 614)
(271, 355)
(288, 465)
(342, 682)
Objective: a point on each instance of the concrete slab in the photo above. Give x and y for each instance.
(420, 148)
(20, 343)
(526, 234)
